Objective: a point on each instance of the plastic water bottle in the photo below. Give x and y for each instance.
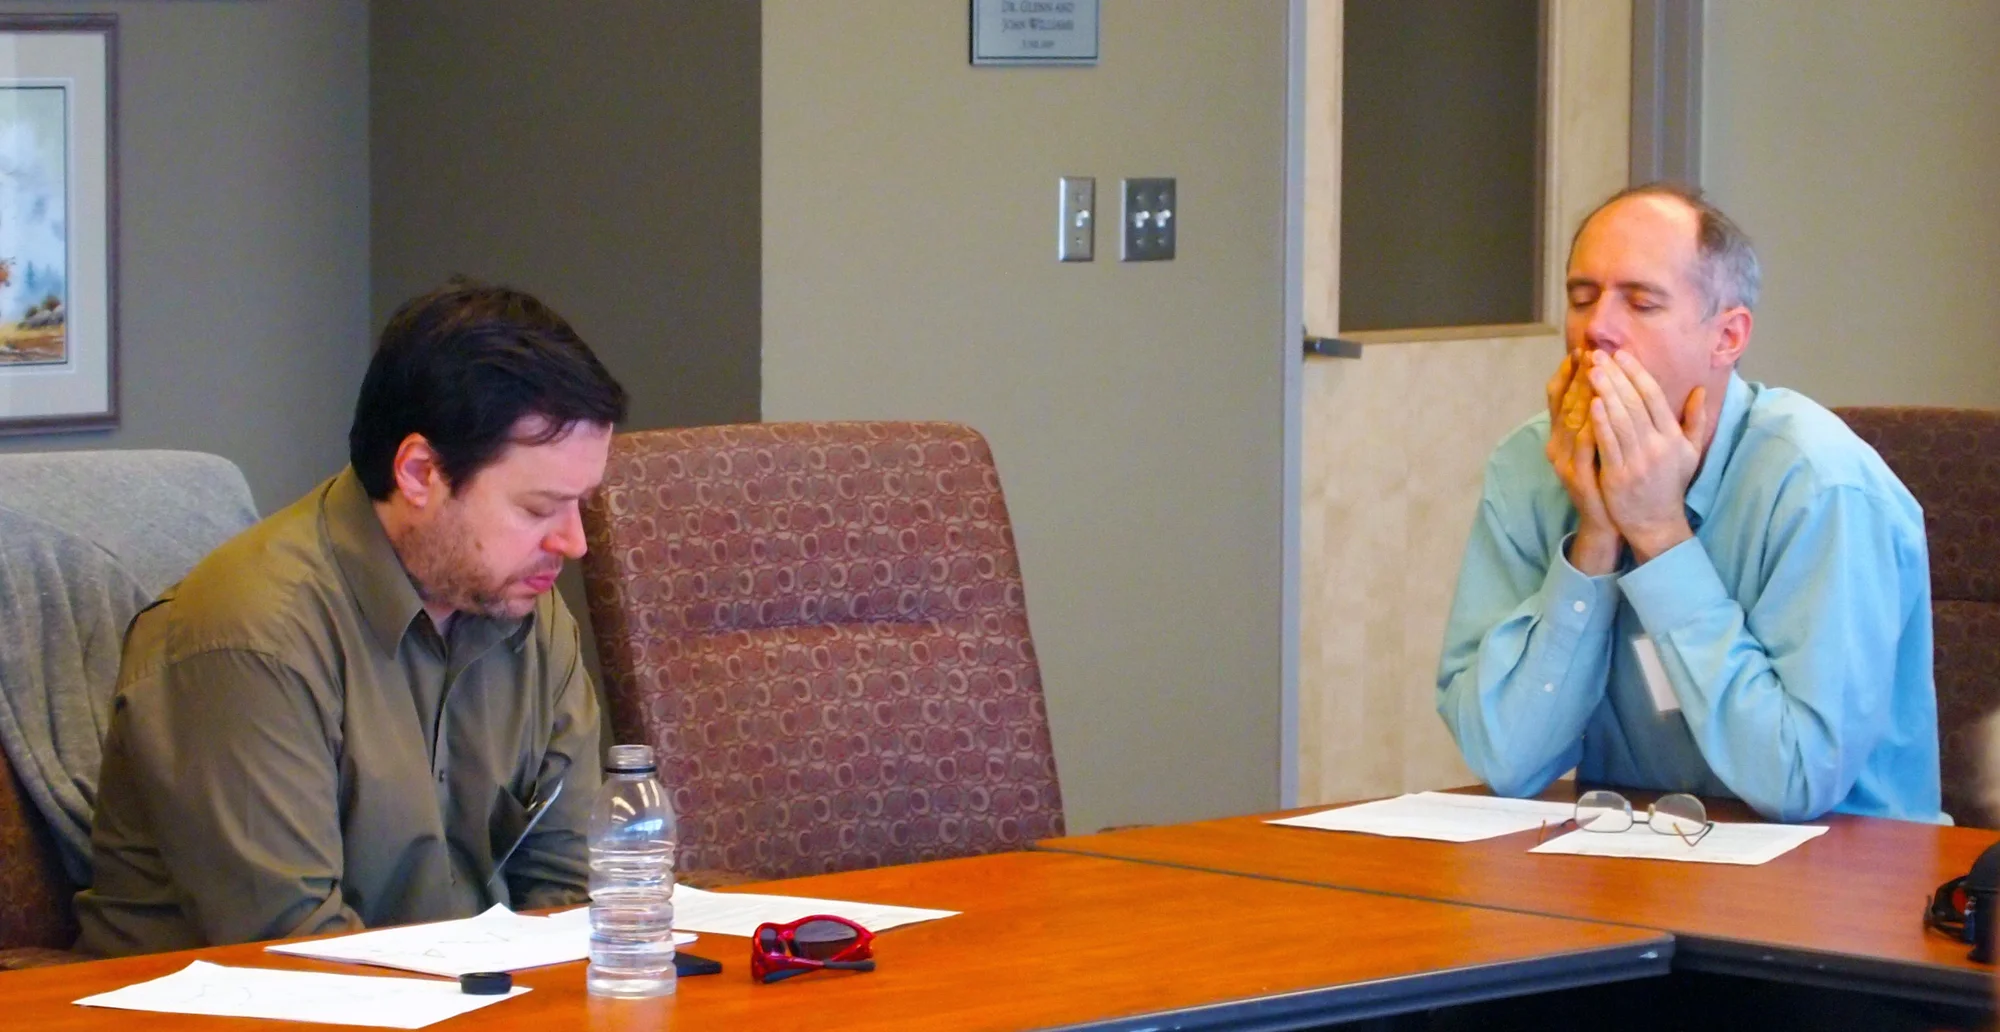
(631, 879)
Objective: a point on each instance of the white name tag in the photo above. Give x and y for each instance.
(1655, 674)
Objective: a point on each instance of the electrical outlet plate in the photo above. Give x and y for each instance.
(1149, 221)
(1076, 230)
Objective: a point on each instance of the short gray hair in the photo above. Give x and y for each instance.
(1725, 261)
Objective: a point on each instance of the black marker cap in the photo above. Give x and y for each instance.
(486, 983)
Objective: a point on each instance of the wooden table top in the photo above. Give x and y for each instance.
(1844, 909)
(1045, 940)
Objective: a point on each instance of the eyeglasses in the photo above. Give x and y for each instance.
(1676, 814)
(779, 951)
(1962, 914)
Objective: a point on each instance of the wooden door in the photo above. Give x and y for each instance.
(1394, 443)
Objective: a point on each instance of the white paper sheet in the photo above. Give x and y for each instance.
(579, 918)
(497, 940)
(1442, 816)
(1744, 844)
(732, 913)
(383, 1002)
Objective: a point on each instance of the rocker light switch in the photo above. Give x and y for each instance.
(1076, 234)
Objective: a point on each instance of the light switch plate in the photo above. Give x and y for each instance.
(1148, 224)
(1076, 230)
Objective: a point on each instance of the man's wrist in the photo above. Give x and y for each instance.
(1653, 541)
(1594, 551)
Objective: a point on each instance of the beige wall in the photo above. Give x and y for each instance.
(1136, 410)
(1858, 142)
(243, 233)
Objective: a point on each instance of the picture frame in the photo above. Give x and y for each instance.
(58, 222)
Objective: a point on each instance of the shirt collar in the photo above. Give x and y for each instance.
(1728, 430)
(377, 578)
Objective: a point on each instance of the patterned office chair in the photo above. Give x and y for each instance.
(36, 924)
(86, 539)
(821, 629)
(1950, 460)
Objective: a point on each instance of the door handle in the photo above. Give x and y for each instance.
(1332, 347)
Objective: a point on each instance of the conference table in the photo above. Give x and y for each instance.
(1844, 910)
(1044, 940)
(1236, 923)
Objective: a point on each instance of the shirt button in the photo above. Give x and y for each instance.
(1551, 686)
(440, 777)
(1578, 606)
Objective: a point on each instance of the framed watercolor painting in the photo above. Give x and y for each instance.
(58, 223)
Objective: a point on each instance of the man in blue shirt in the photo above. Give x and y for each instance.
(1680, 580)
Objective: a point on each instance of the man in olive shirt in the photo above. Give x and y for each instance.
(346, 716)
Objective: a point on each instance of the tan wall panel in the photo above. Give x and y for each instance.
(1395, 448)
(1321, 224)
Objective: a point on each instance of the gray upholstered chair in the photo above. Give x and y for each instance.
(86, 539)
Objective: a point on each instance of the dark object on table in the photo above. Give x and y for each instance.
(486, 983)
(686, 964)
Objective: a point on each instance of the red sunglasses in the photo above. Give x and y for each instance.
(779, 951)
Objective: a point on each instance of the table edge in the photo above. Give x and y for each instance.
(1960, 987)
(1910, 980)
(1357, 1001)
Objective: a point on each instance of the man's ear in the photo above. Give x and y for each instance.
(418, 474)
(1732, 337)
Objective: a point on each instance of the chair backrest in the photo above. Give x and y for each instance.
(158, 512)
(821, 629)
(131, 523)
(1950, 460)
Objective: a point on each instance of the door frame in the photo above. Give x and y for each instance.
(1292, 354)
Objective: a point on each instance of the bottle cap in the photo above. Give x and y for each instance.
(631, 759)
(486, 983)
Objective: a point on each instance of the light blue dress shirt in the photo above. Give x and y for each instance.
(1794, 629)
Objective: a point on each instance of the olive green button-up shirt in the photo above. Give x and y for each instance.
(294, 749)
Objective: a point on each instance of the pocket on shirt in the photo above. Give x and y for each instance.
(509, 819)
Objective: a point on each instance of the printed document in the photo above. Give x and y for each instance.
(497, 940)
(1745, 844)
(1441, 816)
(230, 992)
(735, 913)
